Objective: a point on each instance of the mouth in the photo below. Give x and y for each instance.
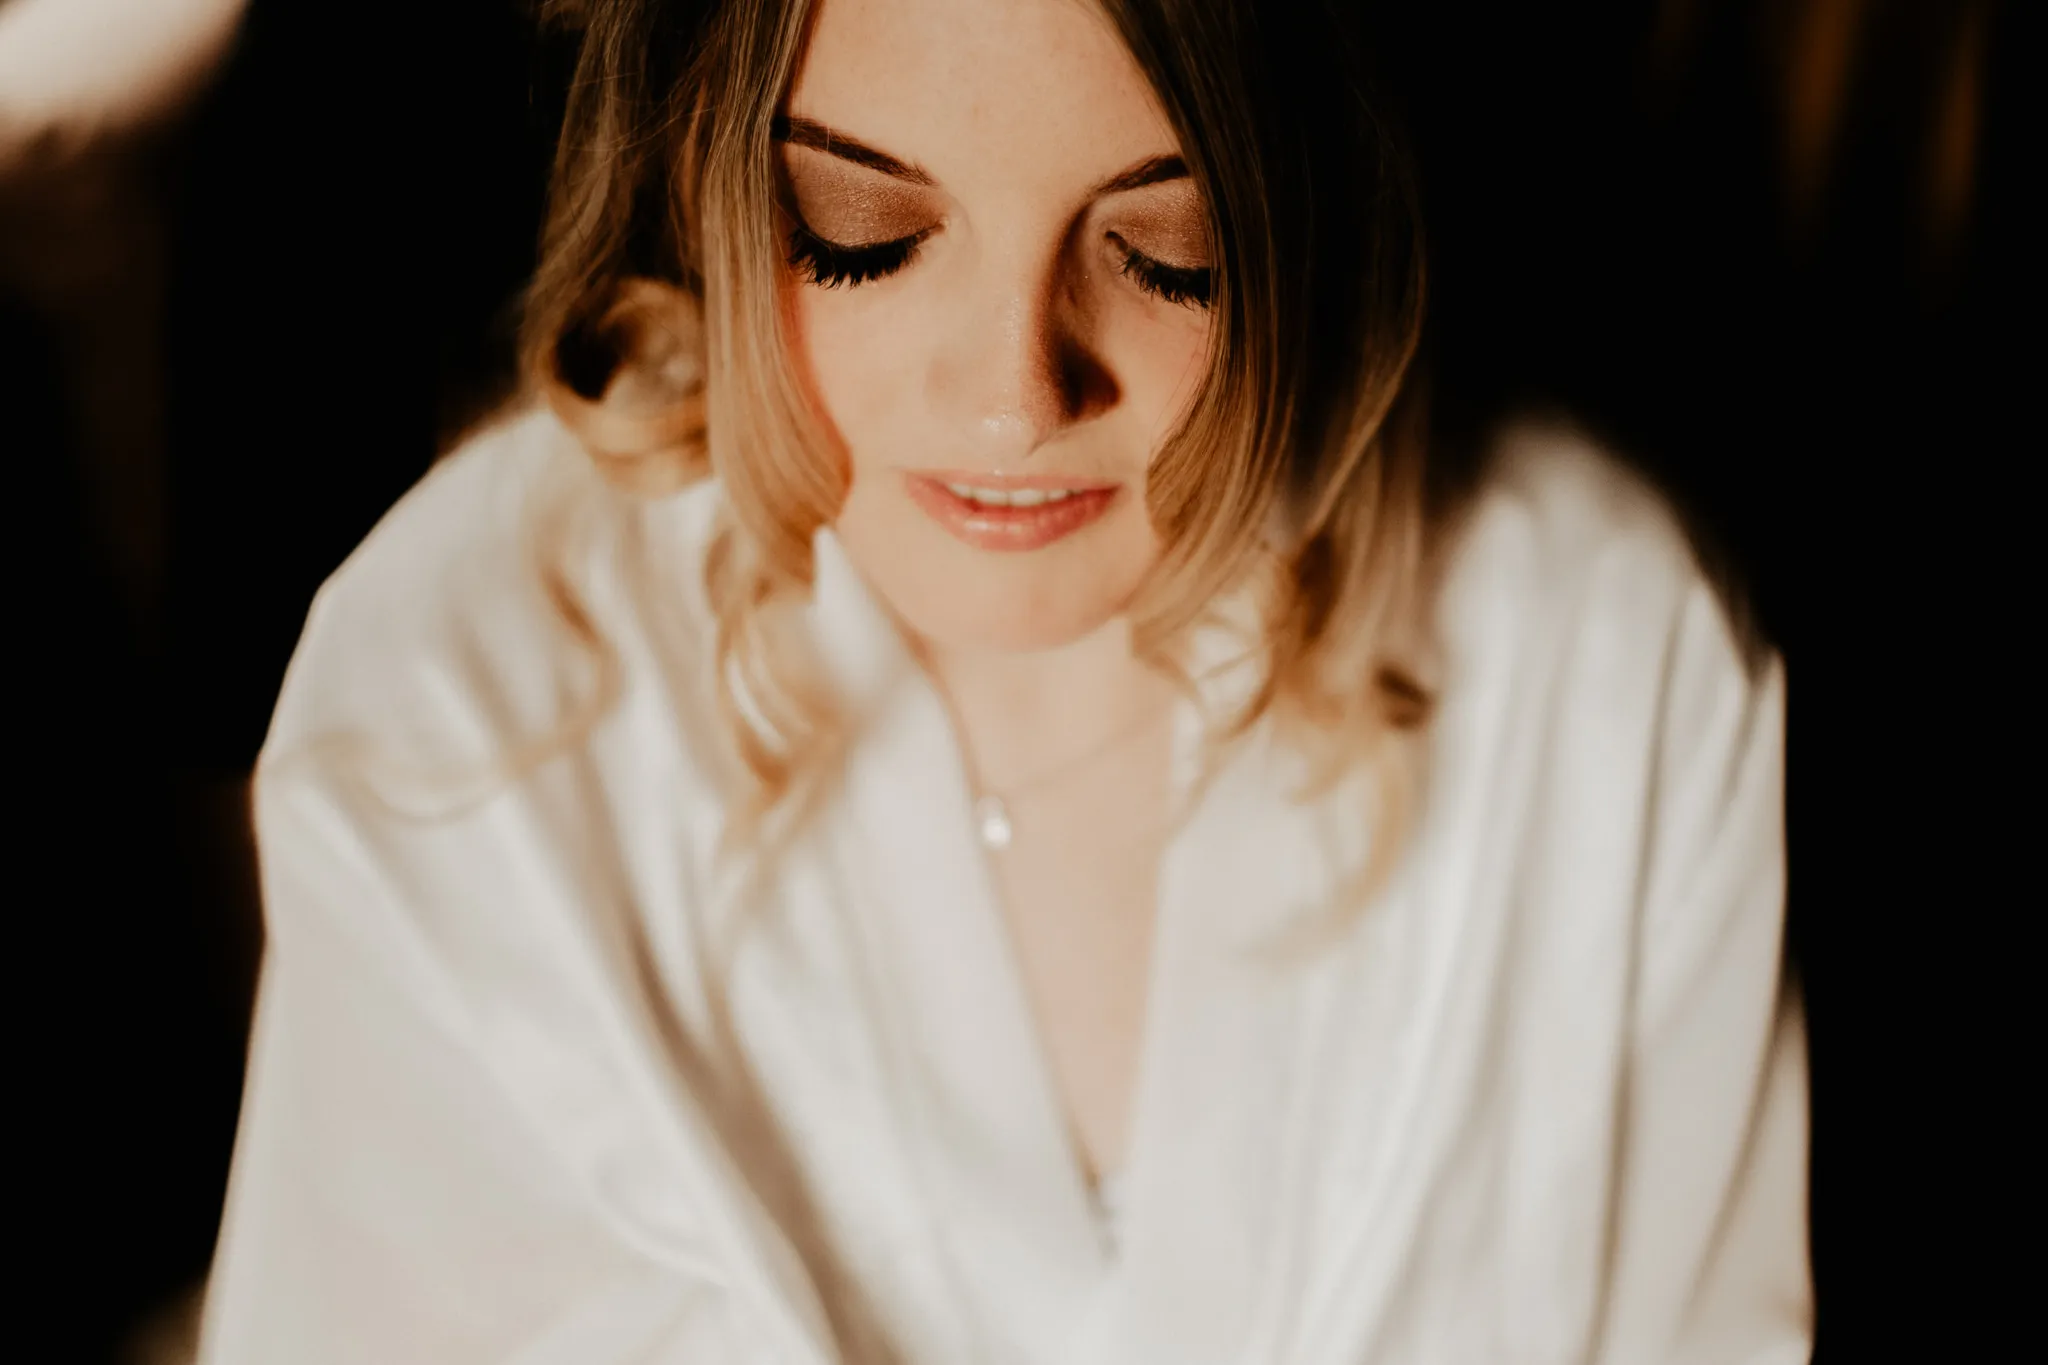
(1010, 512)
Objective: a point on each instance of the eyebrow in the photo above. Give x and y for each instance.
(803, 132)
(1151, 171)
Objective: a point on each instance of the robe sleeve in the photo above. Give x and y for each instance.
(1709, 1255)
(390, 1203)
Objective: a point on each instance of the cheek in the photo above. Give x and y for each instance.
(1160, 356)
(853, 358)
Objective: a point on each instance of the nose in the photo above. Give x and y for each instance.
(1016, 367)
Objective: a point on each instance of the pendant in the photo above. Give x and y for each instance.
(993, 819)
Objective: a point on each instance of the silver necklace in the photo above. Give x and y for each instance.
(992, 819)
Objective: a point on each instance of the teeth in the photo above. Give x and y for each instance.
(1021, 497)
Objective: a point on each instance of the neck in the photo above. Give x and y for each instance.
(1025, 714)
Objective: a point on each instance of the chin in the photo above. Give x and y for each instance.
(953, 596)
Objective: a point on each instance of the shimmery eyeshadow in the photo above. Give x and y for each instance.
(1168, 224)
(854, 207)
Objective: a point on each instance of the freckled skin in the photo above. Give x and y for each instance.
(1013, 341)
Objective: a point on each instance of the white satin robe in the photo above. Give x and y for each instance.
(1545, 1102)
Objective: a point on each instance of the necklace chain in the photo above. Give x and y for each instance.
(992, 809)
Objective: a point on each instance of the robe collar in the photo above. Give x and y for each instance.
(1014, 1226)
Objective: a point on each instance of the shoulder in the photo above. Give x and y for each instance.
(427, 788)
(1552, 516)
(1586, 651)
(437, 637)
(1600, 722)
(1562, 550)
(436, 598)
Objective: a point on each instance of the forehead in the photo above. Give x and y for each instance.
(1043, 88)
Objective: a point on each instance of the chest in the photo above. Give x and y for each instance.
(957, 1037)
(1077, 891)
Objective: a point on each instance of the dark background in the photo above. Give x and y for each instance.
(1788, 296)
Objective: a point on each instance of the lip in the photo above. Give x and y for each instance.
(1010, 528)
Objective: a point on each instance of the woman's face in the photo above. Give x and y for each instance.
(999, 303)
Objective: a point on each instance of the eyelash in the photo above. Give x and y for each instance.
(1175, 284)
(829, 265)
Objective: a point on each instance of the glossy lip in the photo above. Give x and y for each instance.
(980, 479)
(1009, 528)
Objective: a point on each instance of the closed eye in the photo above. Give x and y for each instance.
(831, 264)
(1176, 284)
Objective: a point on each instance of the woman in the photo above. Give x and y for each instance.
(956, 789)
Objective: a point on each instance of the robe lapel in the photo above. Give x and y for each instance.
(1221, 1095)
(1221, 1088)
(973, 1092)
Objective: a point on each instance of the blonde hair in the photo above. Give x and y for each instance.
(654, 330)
